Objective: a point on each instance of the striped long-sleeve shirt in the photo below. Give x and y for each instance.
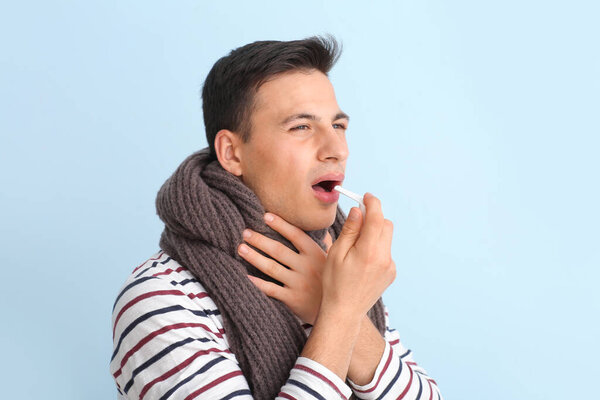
(169, 343)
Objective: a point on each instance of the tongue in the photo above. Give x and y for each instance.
(318, 188)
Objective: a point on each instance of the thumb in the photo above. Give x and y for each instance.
(350, 230)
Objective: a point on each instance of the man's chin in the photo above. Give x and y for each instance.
(319, 220)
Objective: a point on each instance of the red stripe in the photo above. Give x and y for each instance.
(430, 390)
(174, 370)
(287, 396)
(160, 331)
(407, 385)
(140, 298)
(213, 383)
(160, 253)
(432, 381)
(393, 342)
(320, 376)
(200, 295)
(169, 271)
(387, 363)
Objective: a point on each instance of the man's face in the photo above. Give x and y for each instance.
(298, 136)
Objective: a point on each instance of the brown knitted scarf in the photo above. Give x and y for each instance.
(205, 209)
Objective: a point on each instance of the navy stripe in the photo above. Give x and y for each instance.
(306, 388)
(132, 284)
(158, 356)
(154, 264)
(141, 273)
(242, 392)
(184, 282)
(405, 354)
(420, 387)
(142, 319)
(205, 368)
(389, 386)
(201, 313)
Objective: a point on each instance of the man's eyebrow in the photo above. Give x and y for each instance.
(342, 115)
(312, 117)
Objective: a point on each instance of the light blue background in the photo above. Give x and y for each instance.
(475, 122)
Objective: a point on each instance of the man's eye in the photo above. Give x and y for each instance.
(300, 128)
(340, 126)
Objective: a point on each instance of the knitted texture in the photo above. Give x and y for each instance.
(205, 209)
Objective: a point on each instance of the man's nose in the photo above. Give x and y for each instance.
(333, 144)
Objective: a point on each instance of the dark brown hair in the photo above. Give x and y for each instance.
(229, 89)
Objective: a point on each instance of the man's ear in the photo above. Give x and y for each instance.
(228, 149)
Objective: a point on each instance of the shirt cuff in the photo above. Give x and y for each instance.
(368, 390)
(309, 376)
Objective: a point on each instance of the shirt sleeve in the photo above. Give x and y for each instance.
(168, 344)
(397, 375)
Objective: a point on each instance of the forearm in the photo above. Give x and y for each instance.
(397, 375)
(367, 353)
(331, 341)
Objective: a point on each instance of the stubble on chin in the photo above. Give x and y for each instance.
(316, 220)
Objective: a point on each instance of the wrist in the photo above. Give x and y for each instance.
(341, 315)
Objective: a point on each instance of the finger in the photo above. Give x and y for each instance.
(295, 235)
(350, 231)
(328, 241)
(275, 249)
(387, 233)
(269, 288)
(373, 225)
(266, 265)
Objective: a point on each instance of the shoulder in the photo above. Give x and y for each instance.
(159, 276)
(164, 325)
(162, 294)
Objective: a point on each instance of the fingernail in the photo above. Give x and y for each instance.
(246, 234)
(269, 217)
(353, 214)
(243, 249)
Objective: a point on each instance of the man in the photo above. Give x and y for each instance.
(298, 313)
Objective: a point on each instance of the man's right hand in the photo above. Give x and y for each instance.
(359, 265)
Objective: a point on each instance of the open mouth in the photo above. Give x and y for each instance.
(325, 186)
